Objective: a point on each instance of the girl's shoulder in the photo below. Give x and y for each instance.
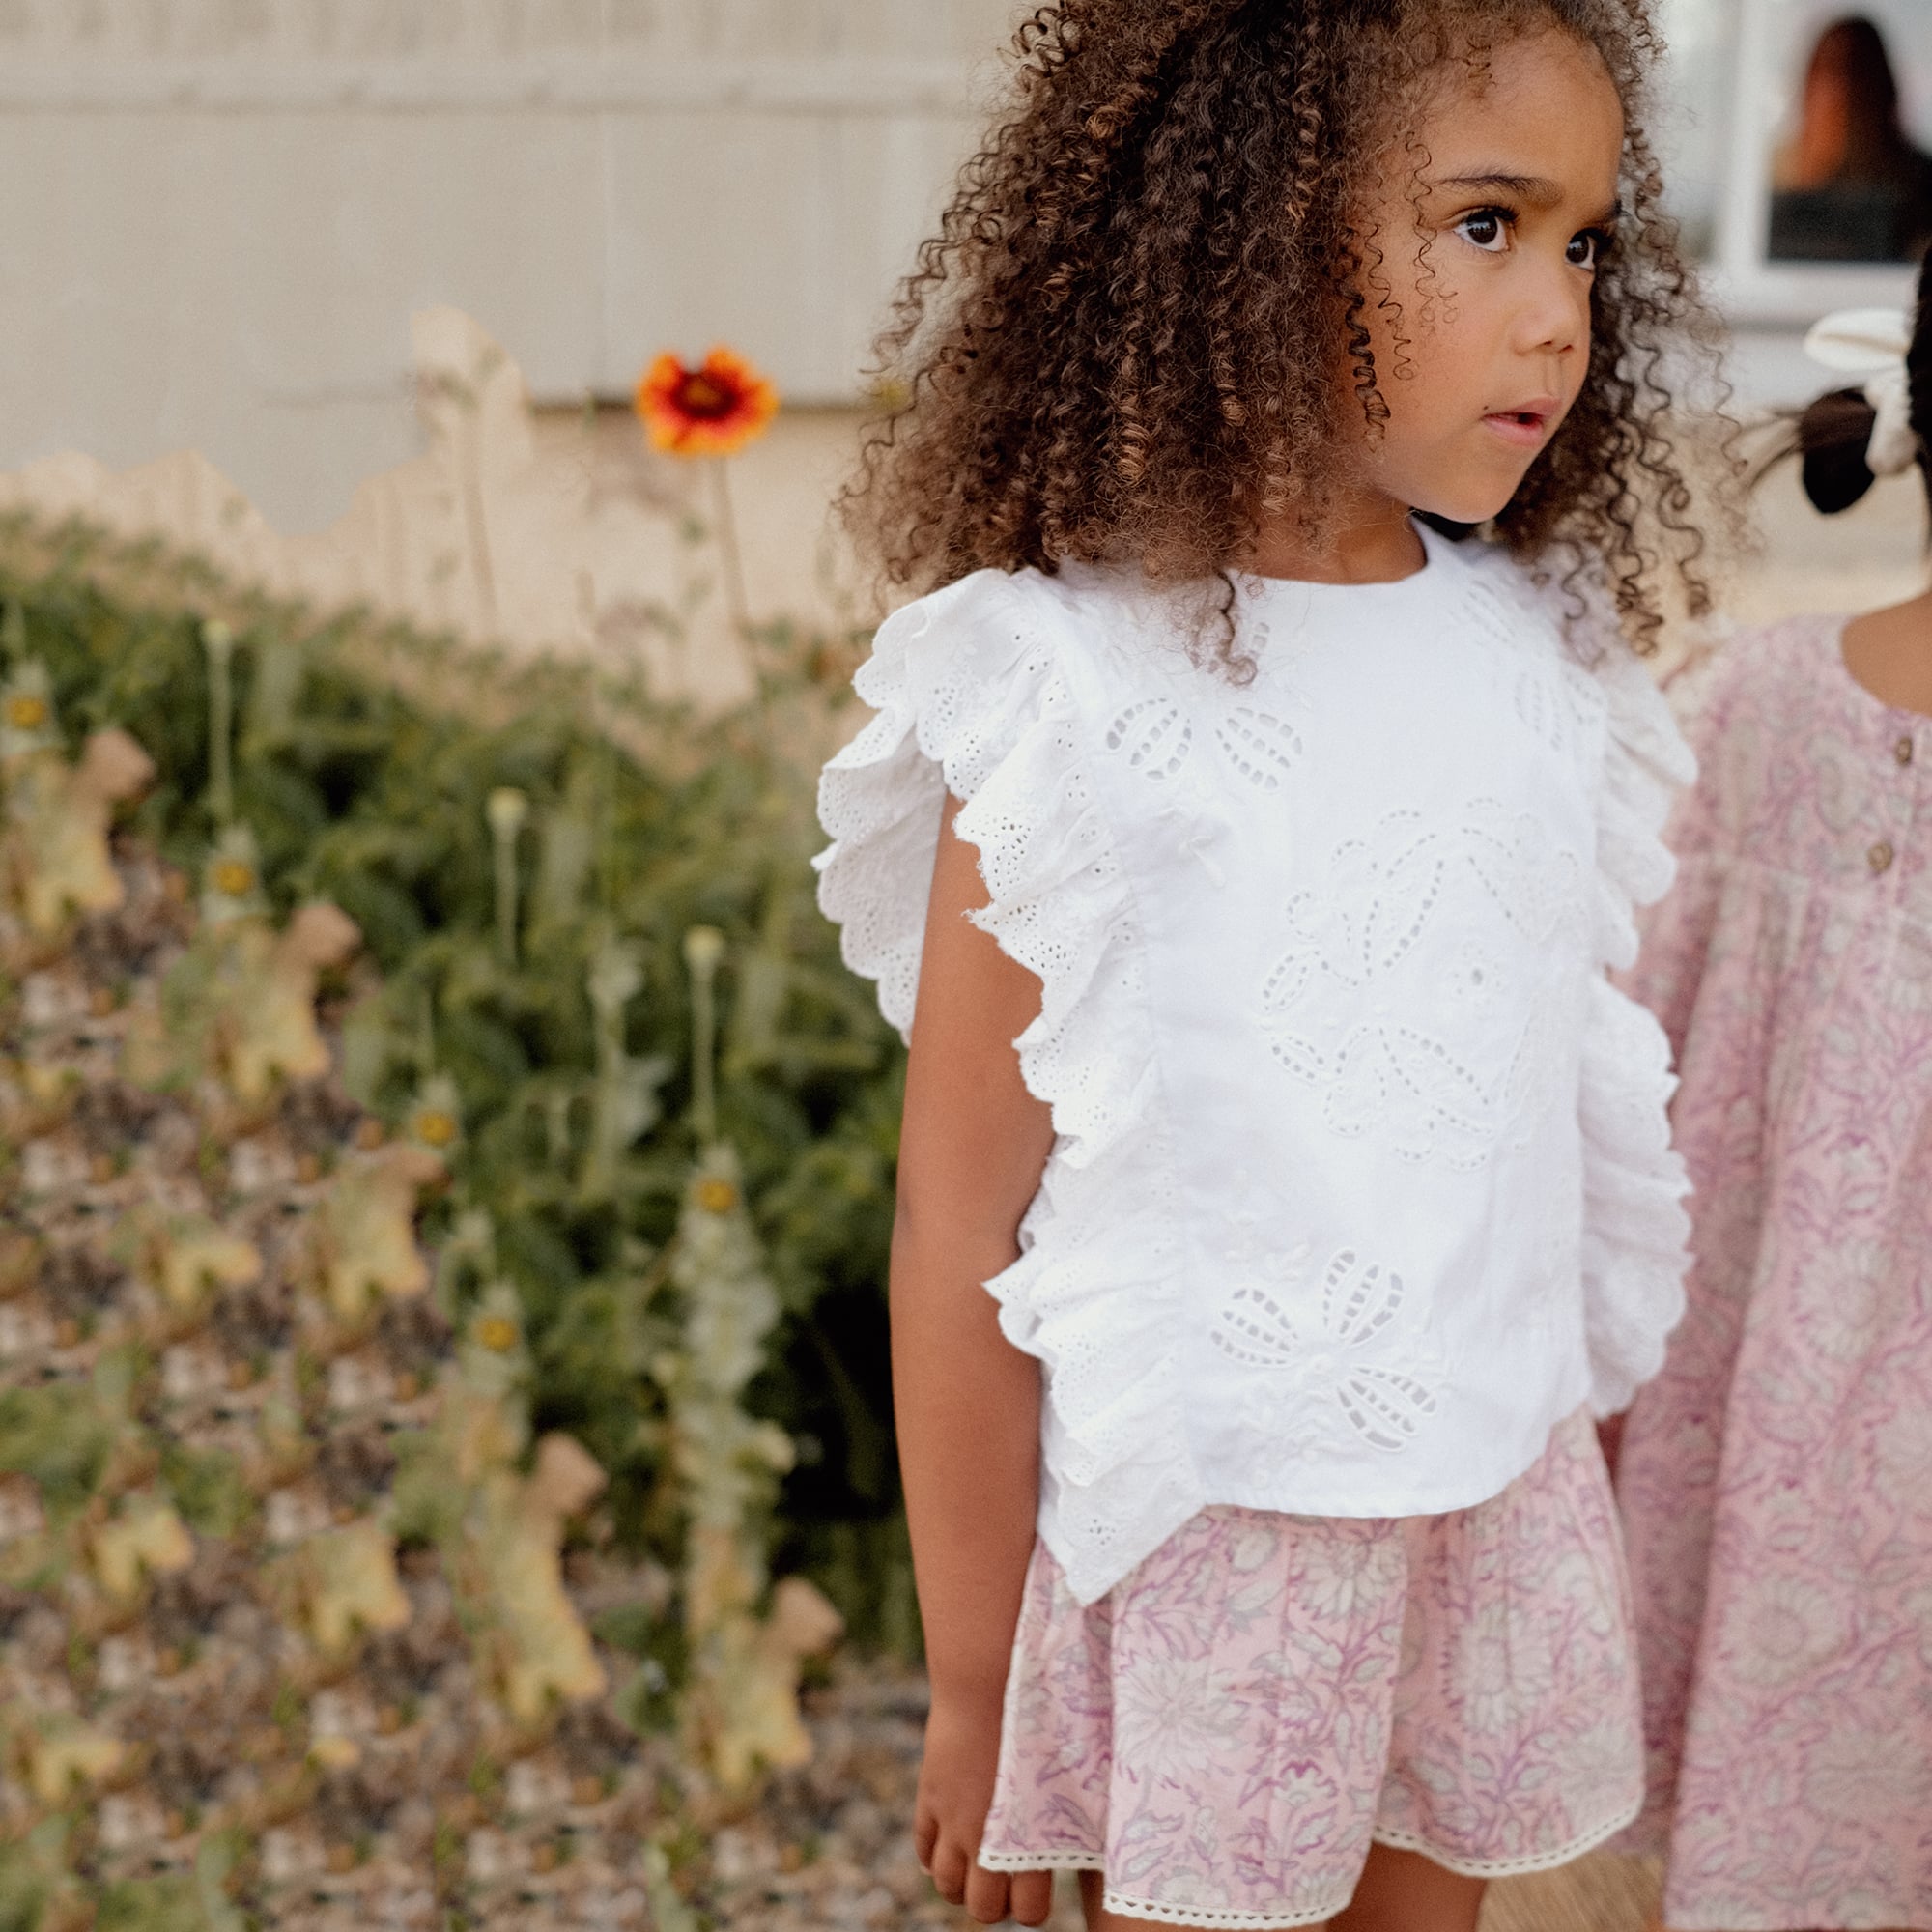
(996, 640)
(1562, 601)
(979, 607)
(1764, 668)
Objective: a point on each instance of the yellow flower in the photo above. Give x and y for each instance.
(717, 1197)
(497, 1332)
(434, 1127)
(26, 711)
(714, 409)
(233, 878)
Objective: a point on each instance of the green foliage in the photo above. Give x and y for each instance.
(60, 1437)
(365, 762)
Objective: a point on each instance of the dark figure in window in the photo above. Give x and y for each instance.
(1851, 188)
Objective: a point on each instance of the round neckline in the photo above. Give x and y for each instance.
(1254, 585)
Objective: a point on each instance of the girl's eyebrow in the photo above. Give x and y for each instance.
(1535, 190)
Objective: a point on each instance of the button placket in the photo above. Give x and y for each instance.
(1882, 857)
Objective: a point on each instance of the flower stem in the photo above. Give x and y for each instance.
(506, 810)
(703, 954)
(218, 641)
(727, 545)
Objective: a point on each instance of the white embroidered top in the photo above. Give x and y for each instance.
(1362, 1178)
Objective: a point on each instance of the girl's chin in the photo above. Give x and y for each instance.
(1455, 507)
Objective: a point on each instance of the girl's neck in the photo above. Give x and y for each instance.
(1890, 652)
(1370, 543)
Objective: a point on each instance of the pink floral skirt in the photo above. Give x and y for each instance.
(1225, 1733)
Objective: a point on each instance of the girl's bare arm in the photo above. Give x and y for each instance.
(967, 1401)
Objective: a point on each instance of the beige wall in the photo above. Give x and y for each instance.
(545, 529)
(552, 529)
(219, 215)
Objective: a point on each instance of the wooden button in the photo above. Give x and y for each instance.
(1879, 856)
(1902, 751)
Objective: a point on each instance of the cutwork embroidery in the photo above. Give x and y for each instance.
(1360, 1301)
(1155, 736)
(1367, 926)
(1537, 889)
(1262, 748)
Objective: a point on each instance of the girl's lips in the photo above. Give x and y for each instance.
(1527, 425)
(1525, 428)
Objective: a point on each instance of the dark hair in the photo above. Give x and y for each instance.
(1118, 345)
(1875, 139)
(1834, 432)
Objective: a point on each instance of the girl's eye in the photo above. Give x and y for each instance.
(1487, 229)
(1587, 250)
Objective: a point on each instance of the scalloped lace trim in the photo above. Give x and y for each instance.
(1212, 1919)
(1518, 1868)
(1209, 1917)
(1026, 1861)
(990, 718)
(1636, 1231)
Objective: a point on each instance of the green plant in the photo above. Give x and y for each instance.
(637, 822)
(416, 1290)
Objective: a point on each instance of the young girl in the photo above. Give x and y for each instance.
(1254, 852)
(1777, 1477)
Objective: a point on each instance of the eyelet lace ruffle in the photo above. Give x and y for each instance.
(972, 700)
(1635, 1230)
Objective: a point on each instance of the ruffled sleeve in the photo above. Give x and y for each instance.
(1677, 932)
(1635, 1230)
(975, 689)
(956, 679)
(973, 699)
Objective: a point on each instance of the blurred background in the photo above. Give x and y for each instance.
(446, 1459)
(222, 217)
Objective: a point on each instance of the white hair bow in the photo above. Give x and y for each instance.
(1872, 343)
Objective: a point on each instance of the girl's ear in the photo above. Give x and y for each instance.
(1834, 435)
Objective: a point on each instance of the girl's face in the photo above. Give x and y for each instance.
(1482, 339)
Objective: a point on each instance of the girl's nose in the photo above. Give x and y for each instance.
(1557, 319)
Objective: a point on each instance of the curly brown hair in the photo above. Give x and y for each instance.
(1119, 346)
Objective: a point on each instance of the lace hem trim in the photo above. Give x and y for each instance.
(1026, 1861)
(1215, 1920)
(1517, 1867)
(1210, 1918)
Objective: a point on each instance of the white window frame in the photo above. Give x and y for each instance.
(1754, 289)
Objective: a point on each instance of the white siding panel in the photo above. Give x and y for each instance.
(722, 227)
(219, 215)
(896, 173)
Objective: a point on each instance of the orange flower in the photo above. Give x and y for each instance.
(714, 409)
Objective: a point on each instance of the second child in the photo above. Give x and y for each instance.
(1777, 1476)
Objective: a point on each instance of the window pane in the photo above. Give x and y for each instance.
(1851, 174)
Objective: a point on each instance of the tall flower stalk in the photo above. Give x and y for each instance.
(506, 810)
(217, 641)
(712, 410)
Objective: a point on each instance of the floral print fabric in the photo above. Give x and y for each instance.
(1776, 1478)
(1227, 1730)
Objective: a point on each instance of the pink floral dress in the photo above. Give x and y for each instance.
(1776, 1478)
